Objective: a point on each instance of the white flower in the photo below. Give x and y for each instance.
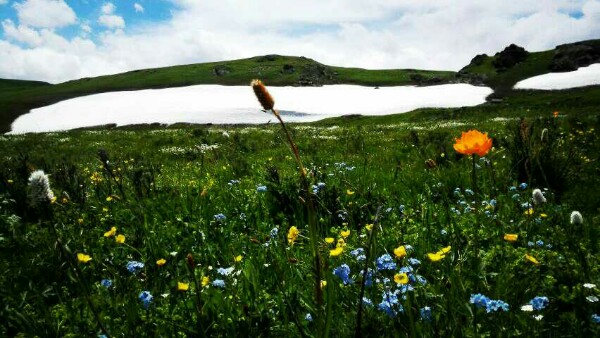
(576, 218)
(589, 286)
(538, 317)
(39, 188)
(538, 197)
(527, 308)
(591, 299)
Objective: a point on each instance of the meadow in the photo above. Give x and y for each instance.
(214, 231)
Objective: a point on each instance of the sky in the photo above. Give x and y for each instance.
(61, 40)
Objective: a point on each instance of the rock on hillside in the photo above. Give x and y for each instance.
(569, 57)
(509, 57)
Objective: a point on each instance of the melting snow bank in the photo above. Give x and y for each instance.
(584, 76)
(237, 105)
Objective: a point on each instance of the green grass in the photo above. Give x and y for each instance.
(165, 190)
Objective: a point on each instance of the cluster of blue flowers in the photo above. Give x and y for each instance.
(317, 187)
(261, 188)
(539, 302)
(219, 283)
(146, 298)
(107, 283)
(385, 262)
(390, 304)
(490, 305)
(359, 254)
(539, 243)
(220, 217)
(134, 267)
(343, 272)
(225, 271)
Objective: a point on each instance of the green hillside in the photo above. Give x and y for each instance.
(274, 70)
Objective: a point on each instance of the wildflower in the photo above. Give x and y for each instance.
(414, 261)
(83, 258)
(263, 96)
(532, 259)
(219, 283)
(511, 237)
(469, 192)
(336, 252)
(345, 233)
(96, 178)
(225, 271)
(359, 254)
(367, 302)
(107, 283)
(220, 217)
(343, 272)
(496, 305)
(401, 278)
(592, 299)
(426, 313)
(39, 188)
(205, 281)
(538, 197)
(183, 286)
(576, 218)
(538, 317)
(589, 286)
(120, 239)
(323, 283)
(555, 114)
(146, 298)
(238, 258)
(523, 186)
(329, 240)
(400, 251)
(369, 227)
(161, 262)
(385, 262)
(528, 212)
(479, 300)
(109, 198)
(368, 277)
(111, 232)
(292, 235)
(443, 232)
(437, 256)
(527, 308)
(473, 142)
(539, 302)
(596, 318)
(261, 188)
(308, 317)
(274, 232)
(134, 267)
(539, 243)
(390, 304)
(349, 192)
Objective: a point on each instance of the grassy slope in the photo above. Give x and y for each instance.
(240, 72)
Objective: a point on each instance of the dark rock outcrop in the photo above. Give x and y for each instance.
(221, 70)
(569, 57)
(509, 57)
(316, 74)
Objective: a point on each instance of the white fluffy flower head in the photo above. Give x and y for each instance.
(538, 197)
(576, 217)
(39, 188)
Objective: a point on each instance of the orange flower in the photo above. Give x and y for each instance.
(473, 142)
(555, 114)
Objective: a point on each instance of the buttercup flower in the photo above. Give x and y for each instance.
(292, 235)
(400, 251)
(345, 233)
(183, 286)
(111, 232)
(83, 258)
(205, 281)
(337, 251)
(120, 239)
(532, 259)
(473, 142)
(511, 237)
(401, 278)
(161, 262)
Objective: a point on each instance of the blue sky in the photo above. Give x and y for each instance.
(60, 40)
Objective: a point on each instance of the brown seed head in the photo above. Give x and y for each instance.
(262, 94)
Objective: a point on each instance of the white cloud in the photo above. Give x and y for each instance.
(443, 34)
(3, 2)
(138, 8)
(45, 13)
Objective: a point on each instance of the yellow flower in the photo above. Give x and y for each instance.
(183, 286)
(511, 237)
(109, 198)
(205, 281)
(120, 239)
(345, 233)
(543, 215)
(336, 252)
(329, 240)
(340, 243)
(292, 235)
(528, 211)
(110, 232)
(400, 251)
(105, 209)
(532, 259)
(161, 262)
(238, 258)
(10, 181)
(434, 257)
(323, 283)
(83, 258)
(369, 227)
(445, 250)
(349, 192)
(80, 221)
(401, 278)
(473, 142)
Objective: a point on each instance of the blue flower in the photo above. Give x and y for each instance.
(401, 208)
(134, 267)
(107, 283)
(493, 202)
(479, 300)
(426, 313)
(421, 280)
(369, 278)
(414, 261)
(496, 305)
(390, 304)
(261, 188)
(406, 269)
(359, 254)
(548, 246)
(596, 318)
(526, 205)
(386, 262)
(343, 272)
(406, 288)
(539, 302)
(232, 182)
(539, 243)
(456, 191)
(146, 298)
(220, 217)
(219, 283)
(308, 317)
(367, 302)
(523, 186)
(443, 232)
(225, 271)
(530, 244)
(274, 232)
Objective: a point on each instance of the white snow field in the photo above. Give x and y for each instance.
(584, 76)
(238, 105)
